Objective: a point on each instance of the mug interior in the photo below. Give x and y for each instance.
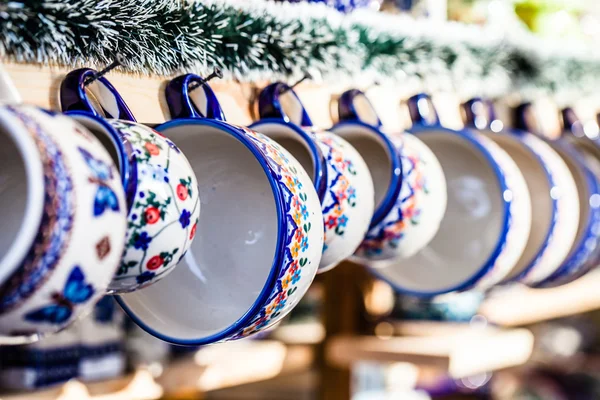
(21, 195)
(539, 186)
(376, 154)
(229, 262)
(471, 230)
(292, 142)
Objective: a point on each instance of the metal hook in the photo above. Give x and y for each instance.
(119, 60)
(288, 88)
(217, 73)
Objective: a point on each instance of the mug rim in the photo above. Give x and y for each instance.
(276, 265)
(564, 273)
(36, 188)
(320, 169)
(396, 179)
(470, 283)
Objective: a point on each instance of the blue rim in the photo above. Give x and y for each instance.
(396, 180)
(277, 264)
(519, 134)
(319, 165)
(570, 265)
(127, 170)
(470, 283)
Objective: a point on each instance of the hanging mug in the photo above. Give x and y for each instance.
(487, 220)
(339, 173)
(162, 191)
(259, 239)
(63, 222)
(409, 208)
(585, 251)
(553, 191)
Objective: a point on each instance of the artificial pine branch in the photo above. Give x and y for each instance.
(269, 40)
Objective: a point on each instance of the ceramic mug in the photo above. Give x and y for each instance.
(161, 188)
(259, 239)
(553, 191)
(488, 216)
(346, 188)
(63, 211)
(409, 208)
(585, 252)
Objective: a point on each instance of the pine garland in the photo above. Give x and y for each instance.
(264, 40)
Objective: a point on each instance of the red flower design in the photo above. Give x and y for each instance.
(280, 297)
(294, 266)
(182, 192)
(155, 263)
(152, 215)
(331, 222)
(193, 231)
(152, 149)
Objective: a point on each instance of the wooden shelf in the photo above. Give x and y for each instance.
(518, 306)
(461, 355)
(210, 368)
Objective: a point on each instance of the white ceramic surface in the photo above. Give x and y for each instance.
(486, 224)
(162, 195)
(256, 252)
(78, 221)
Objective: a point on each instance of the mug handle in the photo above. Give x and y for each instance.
(8, 91)
(353, 105)
(478, 113)
(74, 97)
(524, 118)
(186, 103)
(571, 122)
(278, 100)
(422, 111)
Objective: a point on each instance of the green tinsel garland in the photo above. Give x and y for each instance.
(270, 41)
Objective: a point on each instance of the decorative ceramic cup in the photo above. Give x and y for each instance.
(340, 174)
(259, 240)
(161, 188)
(585, 252)
(553, 191)
(487, 221)
(409, 208)
(63, 222)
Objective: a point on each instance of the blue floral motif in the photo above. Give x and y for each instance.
(141, 240)
(145, 277)
(184, 219)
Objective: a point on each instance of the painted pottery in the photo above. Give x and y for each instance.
(259, 239)
(161, 188)
(409, 208)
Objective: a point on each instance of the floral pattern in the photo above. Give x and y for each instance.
(164, 209)
(57, 221)
(301, 233)
(341, 194)
(390, 231)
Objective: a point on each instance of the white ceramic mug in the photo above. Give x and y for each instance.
(346, 188)
(260, 235)
(554, 195)
(487, 220)
(161, 188)
(63, 211)
(409, 207)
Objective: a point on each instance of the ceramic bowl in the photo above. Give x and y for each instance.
(410, 207)
(161, 188)
(258, 244)
(553, 191)
(347, 197)
(487, 221)
(59, 249)
(585, 251)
